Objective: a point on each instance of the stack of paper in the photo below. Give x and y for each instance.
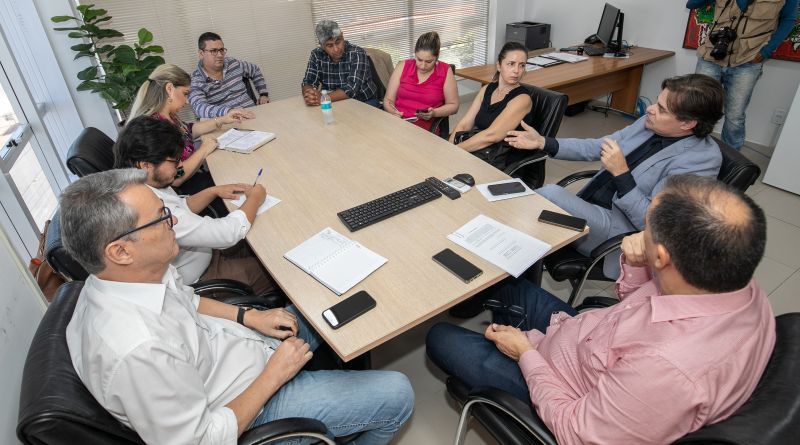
(566, 57)
(499, 244)
(335, 260)
(243, 141)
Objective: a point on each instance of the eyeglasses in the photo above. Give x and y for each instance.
(506, 309)
(216, 51)
(179, 172)
(166, 215)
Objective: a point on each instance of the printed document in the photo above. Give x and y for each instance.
(335, 260)
(499, 244)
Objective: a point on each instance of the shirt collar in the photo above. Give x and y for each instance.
(147, 295)
(205, 74)
(677, 307)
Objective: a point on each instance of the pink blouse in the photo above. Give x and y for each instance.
(413, 95)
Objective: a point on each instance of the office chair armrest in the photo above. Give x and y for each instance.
(536, 156)
(575, 177)
(437, 122)
(284, 429)
(518, 410)
(221, 284)
(269, 300)
(609, 245)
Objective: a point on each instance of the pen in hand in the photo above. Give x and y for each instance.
(260, 170)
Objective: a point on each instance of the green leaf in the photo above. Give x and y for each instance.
(78, 35)
(88, 85)
(124, 54)
(73, 28)
(88, 73)
(104, 19)
(94, 13)
(62, 18)
(151, 62)
(127, 69)
(145, 36)
(153, 49)
(80, 54)
(108, 33)
(81, 47)
(104, 49)
(92, 28)
(83, 8)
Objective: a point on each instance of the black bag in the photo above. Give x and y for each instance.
(495, 155)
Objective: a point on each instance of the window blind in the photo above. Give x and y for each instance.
(278, 35)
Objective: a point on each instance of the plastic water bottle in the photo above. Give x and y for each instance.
(327, 110)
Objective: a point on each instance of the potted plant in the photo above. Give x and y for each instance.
(117, 70)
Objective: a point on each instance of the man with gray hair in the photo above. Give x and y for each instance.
(339, 67)
(179, 368)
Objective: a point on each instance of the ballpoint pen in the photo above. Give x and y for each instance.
(260, 170)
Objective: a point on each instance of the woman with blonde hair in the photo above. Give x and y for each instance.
(161, 96)
(423, 86)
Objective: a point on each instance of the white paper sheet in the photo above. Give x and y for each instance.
(269, 202)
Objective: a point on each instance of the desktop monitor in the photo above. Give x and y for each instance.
(608, 23)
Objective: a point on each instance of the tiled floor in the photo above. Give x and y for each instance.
(435, 417)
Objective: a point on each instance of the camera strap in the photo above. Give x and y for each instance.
(716, 22)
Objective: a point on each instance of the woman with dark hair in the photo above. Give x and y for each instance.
(497, 109)
(422, 87)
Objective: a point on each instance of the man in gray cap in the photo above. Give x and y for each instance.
(339, 67)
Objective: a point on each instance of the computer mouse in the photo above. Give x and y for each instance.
(466, 178)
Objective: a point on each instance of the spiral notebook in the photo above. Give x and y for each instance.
(335, 260)
(243, 141)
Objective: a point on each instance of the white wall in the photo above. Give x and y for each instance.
(93, 110)
(661, 24)
(782, 169)
(21, 309)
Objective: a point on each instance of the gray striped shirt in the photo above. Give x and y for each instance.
(212, 98)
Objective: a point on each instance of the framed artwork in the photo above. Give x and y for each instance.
(700, 21)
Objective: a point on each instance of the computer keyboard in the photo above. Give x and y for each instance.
(369, 213)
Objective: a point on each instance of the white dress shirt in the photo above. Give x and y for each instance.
(157, 365)
(197, 235)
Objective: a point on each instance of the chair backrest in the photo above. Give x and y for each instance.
(54, 405)
(382, 63)
(379, 85)
(57, 256)
(547, 110)
(736, 170)
(91, 152)
(772, 414)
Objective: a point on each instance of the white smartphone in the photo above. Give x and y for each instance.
(456, 184)
(411, 119)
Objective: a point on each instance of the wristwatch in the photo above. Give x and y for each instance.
(240, 314)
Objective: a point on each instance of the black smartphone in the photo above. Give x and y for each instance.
(422, 110)
(457, 265)
(561, 220)
(346, 310)
(506, 188)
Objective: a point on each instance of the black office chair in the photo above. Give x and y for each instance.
(441, 125)
(567, 264)
(91, 152)
(381, 88)
(770, 416)
(56, 408)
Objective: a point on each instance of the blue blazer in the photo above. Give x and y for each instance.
(689, 155)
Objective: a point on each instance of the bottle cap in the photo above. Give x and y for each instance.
(324, 91)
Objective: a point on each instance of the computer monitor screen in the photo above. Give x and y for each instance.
(607, 24)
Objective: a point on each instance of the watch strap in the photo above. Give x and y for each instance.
(240, 315)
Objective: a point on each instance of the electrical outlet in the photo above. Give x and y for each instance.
(778, 116)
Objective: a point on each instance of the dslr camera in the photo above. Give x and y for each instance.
(721, 39)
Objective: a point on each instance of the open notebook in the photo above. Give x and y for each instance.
(335, 260)
(243, 141)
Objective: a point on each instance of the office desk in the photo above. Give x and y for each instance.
(588, 79)
(319, 170)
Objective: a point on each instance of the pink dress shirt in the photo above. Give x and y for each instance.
(653, 367)
(413, 95)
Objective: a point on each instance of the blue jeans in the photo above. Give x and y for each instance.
(374, 102)
(475, 360)
(738, 83)
(375, 403)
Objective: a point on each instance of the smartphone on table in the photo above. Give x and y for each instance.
(562, 220)
(460, 267)
(506, 188)
(348, 309)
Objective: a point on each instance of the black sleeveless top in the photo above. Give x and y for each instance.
(488, 112)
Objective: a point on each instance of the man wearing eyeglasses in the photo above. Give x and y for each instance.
(182, 369)
(210, 247)
(220, 84)
(684, 347)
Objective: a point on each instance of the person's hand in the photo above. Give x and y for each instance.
(758, 59)
(394, 111)
(509, 340)
(612, 158)
(208, 144)
(237, 115)
(311, 96)
(288, 359)
(231, 191)
(427, 115)
(278, 323)
(530, 139)
(263, 100)
(257, 192)
(633, 249)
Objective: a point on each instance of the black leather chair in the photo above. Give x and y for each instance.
(441, 125)
(56, 408)
(567, 264)
(91, 152)
(770, 416)
(381, 88)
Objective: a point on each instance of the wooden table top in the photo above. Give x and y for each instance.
(553, 77)
(318, 170)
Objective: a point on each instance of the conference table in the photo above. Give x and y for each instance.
(317, 170)
(587, 79)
